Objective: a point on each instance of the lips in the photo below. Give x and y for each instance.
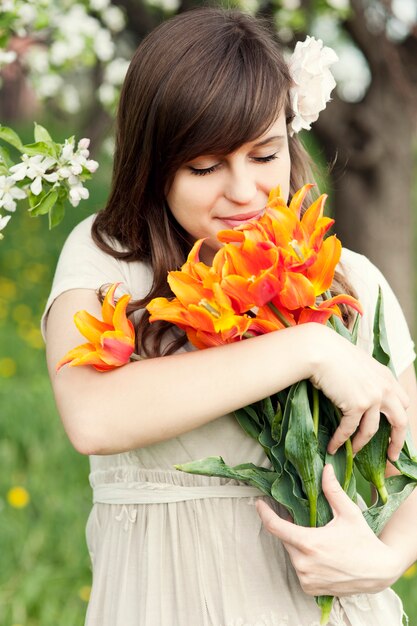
(241, 218)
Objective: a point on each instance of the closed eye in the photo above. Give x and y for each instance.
(266, 159)
(203, 171)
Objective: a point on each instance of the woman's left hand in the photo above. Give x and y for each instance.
(342, 558)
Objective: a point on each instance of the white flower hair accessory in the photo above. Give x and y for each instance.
(313, 81)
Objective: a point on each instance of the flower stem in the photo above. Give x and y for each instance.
(349, 457)
(316, 410)
(325, 603)
(313, 512)
(279, 315)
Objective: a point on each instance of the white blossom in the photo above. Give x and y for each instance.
(84, 144)
(116, 71)
(99, 5)
(49, 85)
(70, 99)
(27, 13)
(8, 6)
(114, 18)
(166, 5)
(7, 56)
(9, 193)
(107, 94)
(291, 5)
(313, 81)
(103, 45)
(77, 191)
(71, 163)
(61, 51)
(3, 222)
(35, 168)
(38, 60)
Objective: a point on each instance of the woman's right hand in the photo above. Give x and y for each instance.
(361, 388)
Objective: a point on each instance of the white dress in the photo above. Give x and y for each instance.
(173, 549)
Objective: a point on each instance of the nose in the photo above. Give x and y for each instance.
(240, 185)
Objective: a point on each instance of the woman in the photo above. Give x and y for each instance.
(203, 134)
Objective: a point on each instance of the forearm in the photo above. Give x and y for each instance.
(400, 532)
(156, 399)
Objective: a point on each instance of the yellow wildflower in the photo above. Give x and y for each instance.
(84, 593)
(18, 497)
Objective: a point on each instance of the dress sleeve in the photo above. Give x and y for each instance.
(366, 278)
(82, 265)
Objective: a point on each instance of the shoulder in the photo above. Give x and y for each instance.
(366, 279)
(83, 265)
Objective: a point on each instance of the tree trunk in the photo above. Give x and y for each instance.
(372, 183)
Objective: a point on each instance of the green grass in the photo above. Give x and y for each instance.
(45, 571)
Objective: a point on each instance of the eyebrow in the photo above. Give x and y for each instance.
(269, 140)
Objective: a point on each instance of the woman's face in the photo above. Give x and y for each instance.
(212, 193)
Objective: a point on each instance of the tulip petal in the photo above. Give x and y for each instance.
(120, 321)
(90, 326)
(116, 348)
(312, 214)
(298, 199)
(107, 308)
(229, 236)
(75, 353)
(298, 292)
(321, 273)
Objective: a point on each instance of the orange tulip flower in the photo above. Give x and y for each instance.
(250, 274)
(111, 341)
(308, 260)
(204, 308)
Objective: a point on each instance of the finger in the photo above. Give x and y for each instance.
(402, 394)
(339, 501)
(397, 417)
(368, 426)
(346, 428)
(288, 532)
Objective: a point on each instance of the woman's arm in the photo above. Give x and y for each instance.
(157, 399)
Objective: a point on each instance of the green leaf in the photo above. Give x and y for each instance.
(371, 460)
(355, 329)
(259, 477)
(9, 136)
(336, 323)
(5, 157)
(287, 491)
(301, 447)
(249, 425)
(407, 466)
(41, 134)
(268, 410)
(398, 488)
(56, 214)
(45, 204)
(277, 423)
(381, 351)
(409, 447)
(40, 147)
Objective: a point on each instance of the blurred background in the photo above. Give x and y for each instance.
(61, 65)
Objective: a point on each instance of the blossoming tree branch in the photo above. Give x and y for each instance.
(47, 175)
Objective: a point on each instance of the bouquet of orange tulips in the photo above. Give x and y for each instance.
(271, 273)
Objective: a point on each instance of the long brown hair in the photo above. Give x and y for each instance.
(204, 82)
